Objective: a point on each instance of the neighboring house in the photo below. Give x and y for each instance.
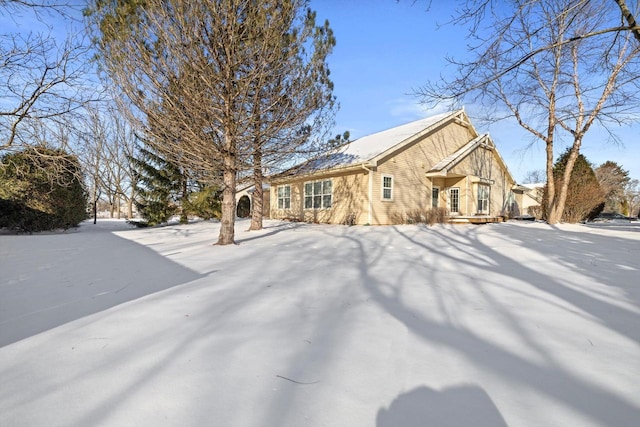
(437, 162)
(529, 199)
(244, 199)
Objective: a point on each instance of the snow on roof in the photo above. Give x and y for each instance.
(370, 146)
(534, 185)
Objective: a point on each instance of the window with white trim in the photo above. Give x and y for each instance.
(387, 187)
(454, 200)
(435, 197)
(284, 196)
(318, 194)
(483, 198)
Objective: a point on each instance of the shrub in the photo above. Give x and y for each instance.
(585, 197)
(421, 216)
(156, 211)
(535, 211)
(204, 203)
(41, 189)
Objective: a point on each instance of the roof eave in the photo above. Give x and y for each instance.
(324, 172)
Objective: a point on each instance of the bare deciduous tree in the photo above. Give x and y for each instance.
(613, 181)
(629, 17)
(555, 66)
(93, 158)
(107, 144)
(535, 177)
(42, 79)
(632, 197)
(190, 72)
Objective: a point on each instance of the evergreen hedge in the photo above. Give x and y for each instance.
(585, 198)
(41, 189)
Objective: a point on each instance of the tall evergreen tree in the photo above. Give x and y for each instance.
(161, 187)
(203, 69)
(292, 102)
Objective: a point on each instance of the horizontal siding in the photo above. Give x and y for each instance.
(411, 188)
(482, 166)
(349, 201)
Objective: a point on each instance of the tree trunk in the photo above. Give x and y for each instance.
(628, 16)
(94, 197)
(257, 196)
(227, 220)
(556, 210)
(551, 187)
(130, 201)
(184, 219)
(549, 140)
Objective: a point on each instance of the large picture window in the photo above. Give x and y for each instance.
(387, 187)
(317, 194)
(483, 199)
(284, 197)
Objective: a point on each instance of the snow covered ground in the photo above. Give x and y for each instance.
(515, 324)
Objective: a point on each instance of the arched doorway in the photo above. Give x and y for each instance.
(243, 210)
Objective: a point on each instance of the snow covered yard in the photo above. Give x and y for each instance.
(515, 324)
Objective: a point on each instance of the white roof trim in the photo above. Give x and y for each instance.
(454, 158)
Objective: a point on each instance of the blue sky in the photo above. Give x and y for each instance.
(386, 49)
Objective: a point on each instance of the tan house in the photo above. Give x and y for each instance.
(529, 199)
(244, 201)
(438, 161)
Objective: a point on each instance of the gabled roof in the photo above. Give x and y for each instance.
(374, 146)
(370, 149)
(443, 166)
(455, 158)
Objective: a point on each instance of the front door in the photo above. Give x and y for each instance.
(453, 201)
(483, 199)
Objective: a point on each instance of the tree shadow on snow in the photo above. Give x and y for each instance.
(465, 252)
(269, 230)
(49, 280)
(603, 254)
(463, 405)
